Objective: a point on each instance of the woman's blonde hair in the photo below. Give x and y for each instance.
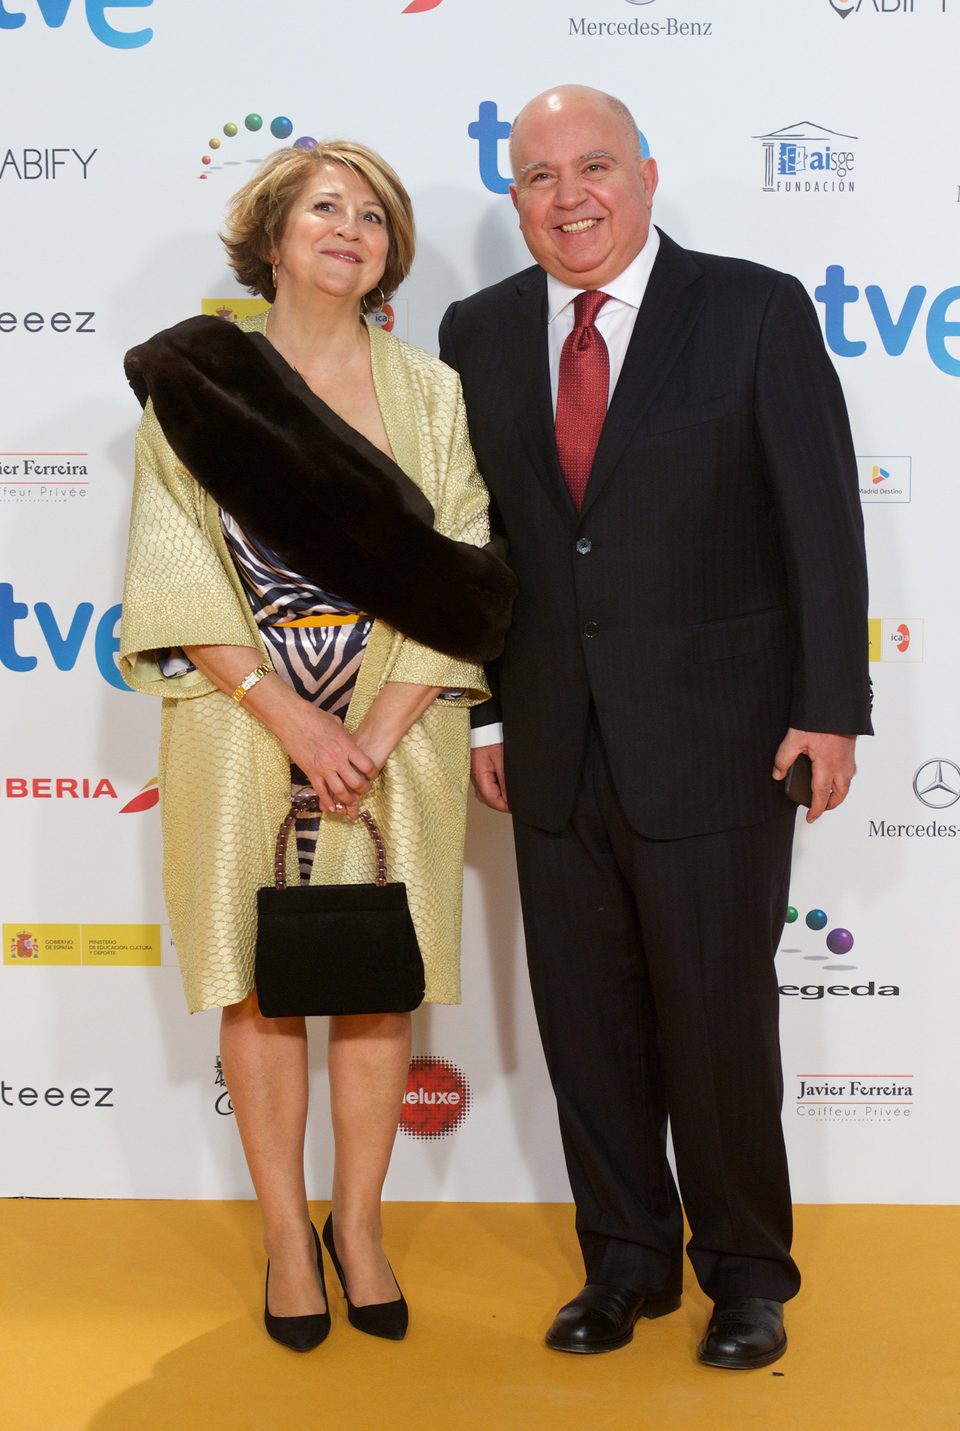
(258, 213)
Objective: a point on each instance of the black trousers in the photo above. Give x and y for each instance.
(652, 967)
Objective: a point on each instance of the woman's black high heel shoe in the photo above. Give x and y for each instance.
(379, 1319)
(300, 1334)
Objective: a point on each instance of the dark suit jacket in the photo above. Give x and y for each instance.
(712, 592)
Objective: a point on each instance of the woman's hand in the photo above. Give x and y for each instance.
(339, 771)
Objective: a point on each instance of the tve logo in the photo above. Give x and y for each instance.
(489, 130)
(894, 326)
(54, 12)
(63, 643)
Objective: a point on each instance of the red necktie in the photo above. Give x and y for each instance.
(583, 390)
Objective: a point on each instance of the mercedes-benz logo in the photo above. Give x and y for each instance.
(937, 784)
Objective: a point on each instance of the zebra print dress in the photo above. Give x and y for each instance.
(321, 663)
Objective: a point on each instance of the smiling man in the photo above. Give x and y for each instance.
(669, 456)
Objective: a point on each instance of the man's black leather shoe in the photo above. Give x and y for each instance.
(601, 1318)
(744, 1332)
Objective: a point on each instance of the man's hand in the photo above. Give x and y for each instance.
(486, 772)
(833, 762)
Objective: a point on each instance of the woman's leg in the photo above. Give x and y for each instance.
(265, 1069)
(369, 1060)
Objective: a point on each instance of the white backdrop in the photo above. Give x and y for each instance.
(813, 135)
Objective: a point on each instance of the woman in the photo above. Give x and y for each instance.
(305, 591)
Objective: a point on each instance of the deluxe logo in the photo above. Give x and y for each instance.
(437, 1099)
(898, 640)
(56, 787)
(854, 1098)
(33, 164)
(806, 158)
(894, 324)
(63, 643)
(839, 942)
(885, 479)
(54, 12)
(490, 131)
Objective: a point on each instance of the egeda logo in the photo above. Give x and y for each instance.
(54, 12)
(835, 959)
(489, 130)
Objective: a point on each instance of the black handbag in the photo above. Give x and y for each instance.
(335, 949)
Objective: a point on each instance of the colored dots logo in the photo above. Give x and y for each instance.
(218, 155)
(839, 941)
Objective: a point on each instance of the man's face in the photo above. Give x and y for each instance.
(582, 191)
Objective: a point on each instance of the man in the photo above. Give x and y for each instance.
(672, 466)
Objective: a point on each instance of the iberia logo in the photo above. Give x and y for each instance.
(145, 799)
(416, 6)
(437, 1098)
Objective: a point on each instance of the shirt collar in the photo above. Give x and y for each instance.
(629, 286)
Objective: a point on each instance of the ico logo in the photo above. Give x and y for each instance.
(839, 942)
(437, 1098)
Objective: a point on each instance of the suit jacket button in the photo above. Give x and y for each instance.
(590, 628)
(584, 545)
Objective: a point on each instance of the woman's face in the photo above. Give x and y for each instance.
(336, 238)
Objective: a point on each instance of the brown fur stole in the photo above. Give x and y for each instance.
(315, 491)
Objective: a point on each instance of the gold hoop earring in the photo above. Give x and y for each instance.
(378, 307)
(273, 274)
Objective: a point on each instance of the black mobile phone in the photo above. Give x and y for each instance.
(799, 781)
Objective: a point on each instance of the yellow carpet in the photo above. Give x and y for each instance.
(145, 1316)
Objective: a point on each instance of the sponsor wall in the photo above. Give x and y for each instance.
(125, 128)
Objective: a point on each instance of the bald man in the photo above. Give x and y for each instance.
(669, 456)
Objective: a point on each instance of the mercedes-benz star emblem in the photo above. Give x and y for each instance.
(937, 784)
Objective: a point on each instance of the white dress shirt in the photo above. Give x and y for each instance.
(614, 322)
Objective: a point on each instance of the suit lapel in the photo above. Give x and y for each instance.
(528, 366)
(670, 308)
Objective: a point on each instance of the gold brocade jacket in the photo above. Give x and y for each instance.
(224, 778)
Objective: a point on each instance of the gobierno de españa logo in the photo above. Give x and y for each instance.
(437, 1098)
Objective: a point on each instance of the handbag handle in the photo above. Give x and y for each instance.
(310, 805)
